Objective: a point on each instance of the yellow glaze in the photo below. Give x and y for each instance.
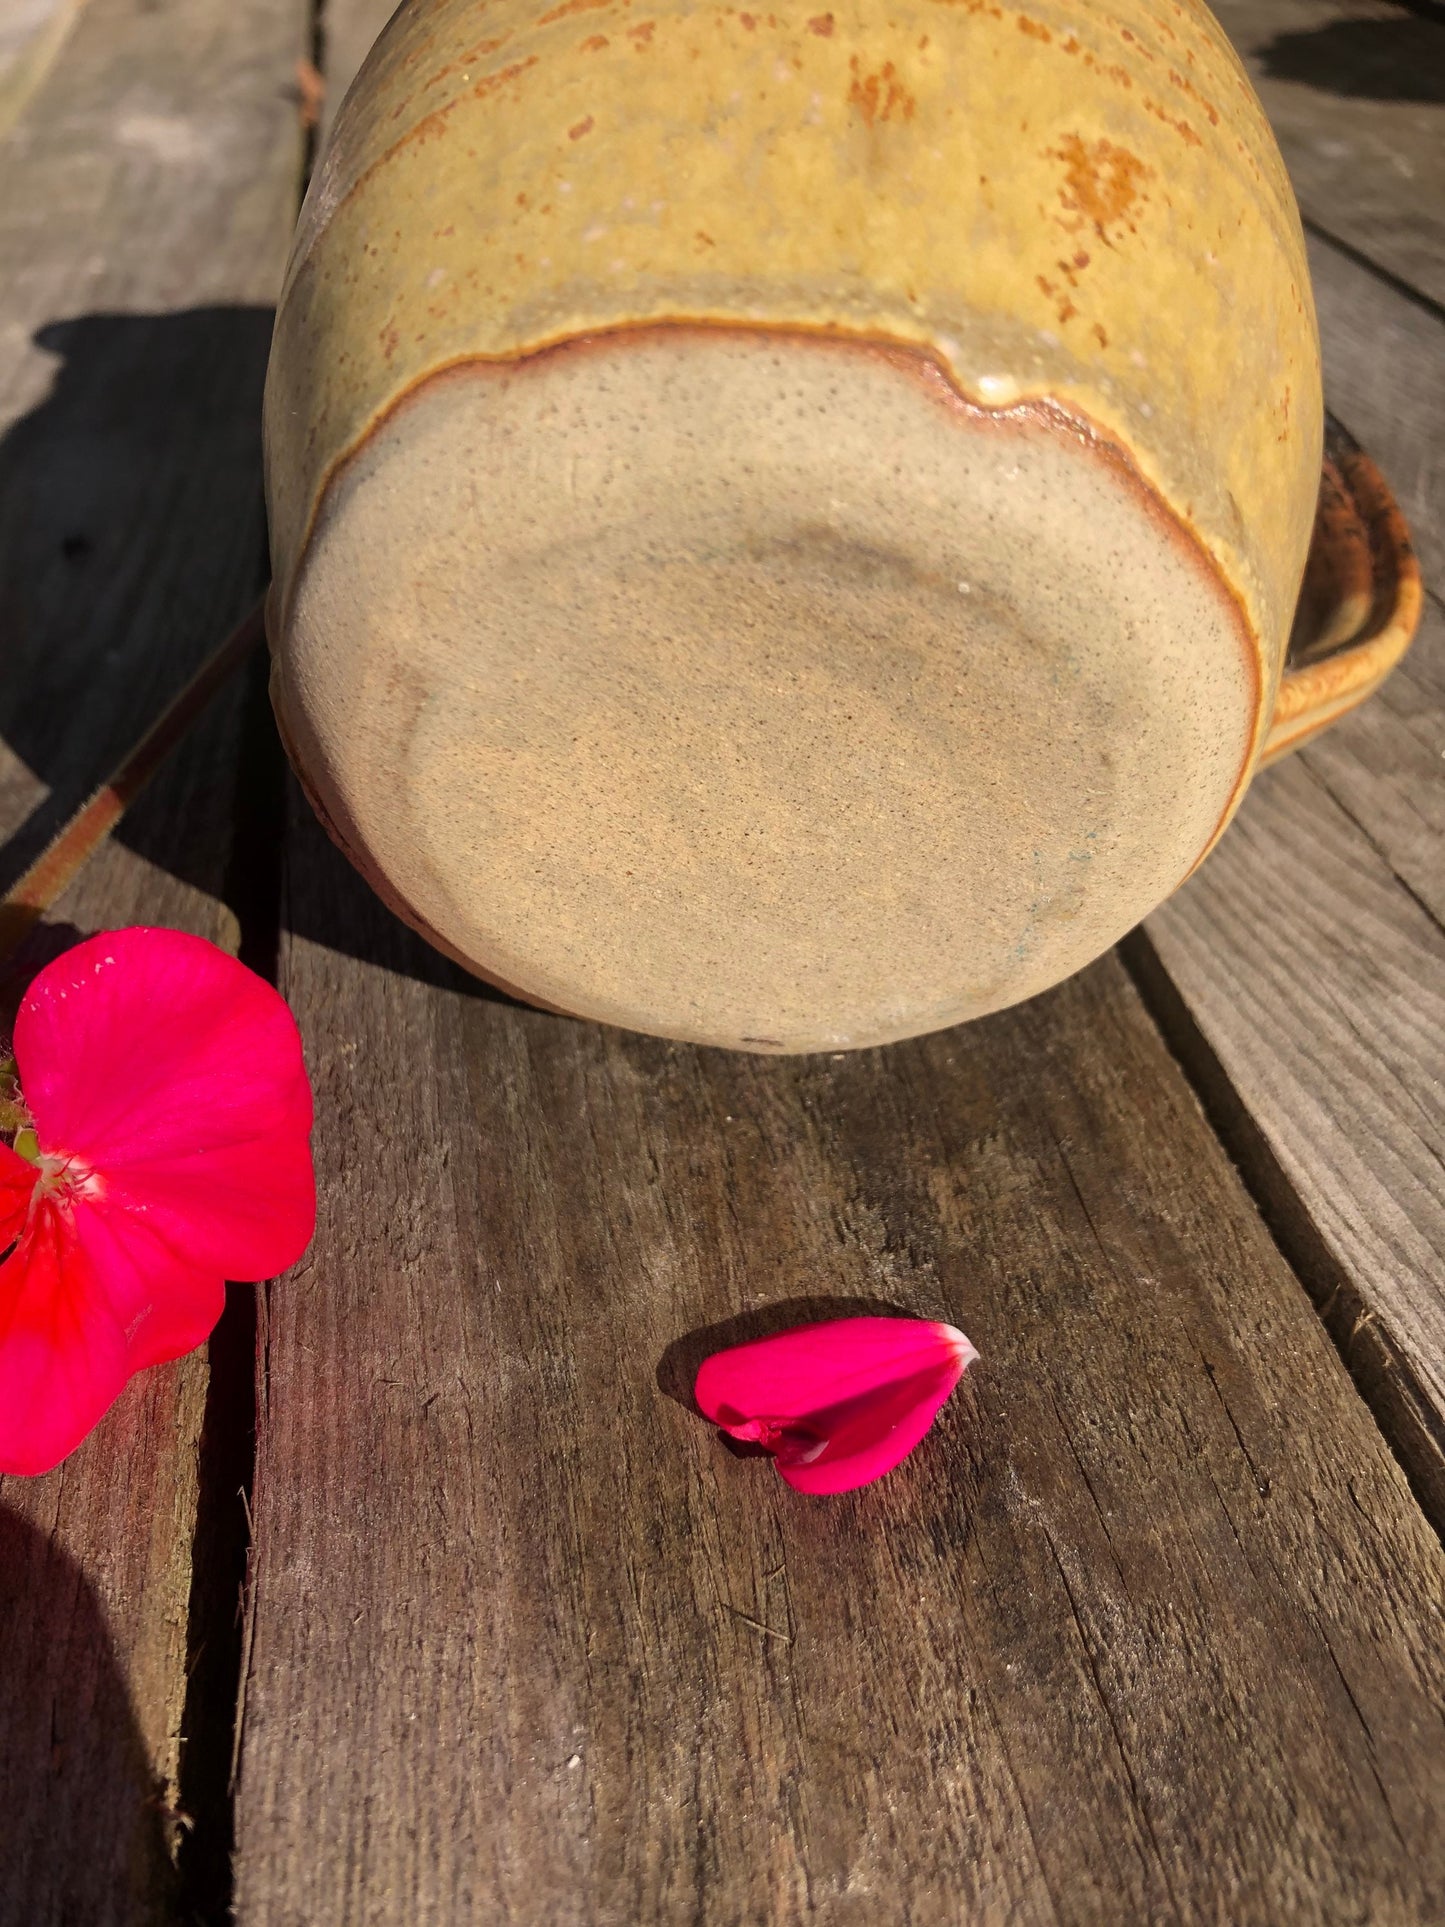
(1078, 200)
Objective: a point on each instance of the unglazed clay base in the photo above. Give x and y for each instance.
(756, 689)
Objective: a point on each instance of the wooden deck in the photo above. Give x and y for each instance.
(424, 1598)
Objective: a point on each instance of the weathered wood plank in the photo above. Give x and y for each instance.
(1309, 953)
(1355, 90)
(1150, 1628)
(148, 189)
(32, 32)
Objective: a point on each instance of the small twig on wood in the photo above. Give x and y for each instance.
(312, 89)
(27, 900)
(757, 1624)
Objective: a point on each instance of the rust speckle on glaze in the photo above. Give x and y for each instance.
(569, 7)
(433, 124)
(1182, 128)
(822, 25)
(489, 83)
(1103, 184)
(463, 61)
(880, 96)
(582, 127)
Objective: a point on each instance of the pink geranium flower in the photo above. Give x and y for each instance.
(165, 1119)
(839, 1403)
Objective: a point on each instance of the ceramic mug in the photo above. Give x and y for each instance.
(786, 525)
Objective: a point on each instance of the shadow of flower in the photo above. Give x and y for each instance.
(83, 1829)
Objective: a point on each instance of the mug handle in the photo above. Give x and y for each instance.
(1359, 604)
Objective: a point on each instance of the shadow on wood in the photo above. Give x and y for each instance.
(17, 973)
(1377, 59)
(121, 497)
(338, 909)
(84, 1831)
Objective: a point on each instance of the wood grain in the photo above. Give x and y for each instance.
(1355, 91)
(1307, 958)
(32, 33)
(1150, 1628)
(149, 187)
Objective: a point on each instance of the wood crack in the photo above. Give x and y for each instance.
(1135, 1795)
(1316, 776)
(1261, 1479)
(1369, 1738)
(1093, 1495)
(1397, 282)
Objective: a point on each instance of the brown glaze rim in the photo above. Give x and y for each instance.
(918, 363)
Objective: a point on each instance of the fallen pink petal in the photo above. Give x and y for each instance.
(164, 1147)
(836, 1404)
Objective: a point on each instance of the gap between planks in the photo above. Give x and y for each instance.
(221, 1549)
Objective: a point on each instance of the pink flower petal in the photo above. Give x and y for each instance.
(173, 1073)
(173, 1115)
(90, 1297)
(62, 1351)
(838, 1403)
(164, 1304)
(17, 1181)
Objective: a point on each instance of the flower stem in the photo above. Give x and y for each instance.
(27, 900)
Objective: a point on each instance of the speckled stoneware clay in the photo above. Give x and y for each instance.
(786, 524)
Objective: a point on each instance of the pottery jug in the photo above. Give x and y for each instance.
(786, 524)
